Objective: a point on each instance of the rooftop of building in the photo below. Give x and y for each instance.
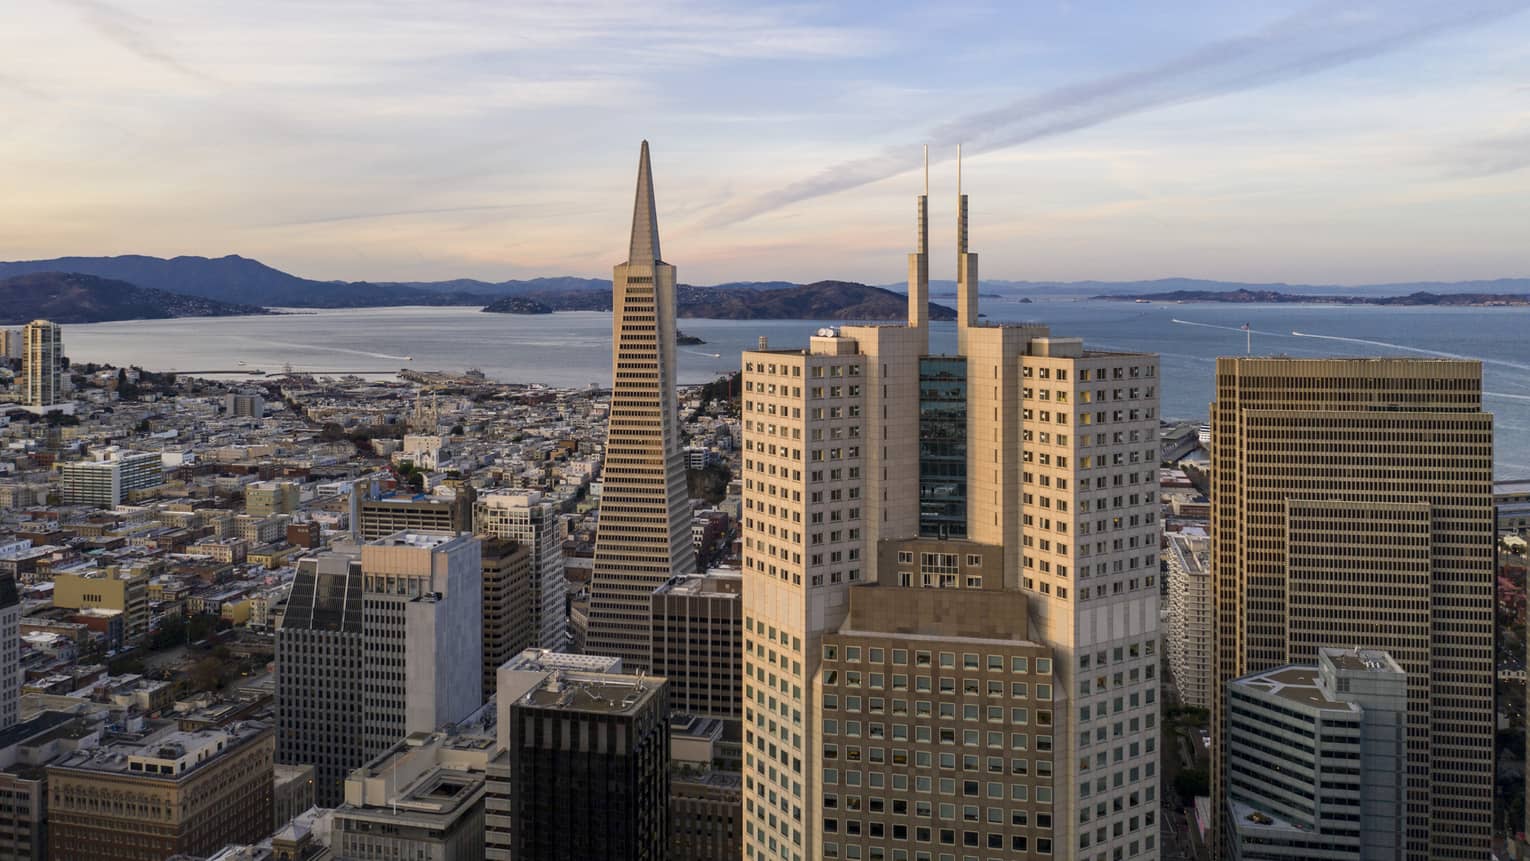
(1248, 818)
(1187, 549)
(716, 581)
(1297, 684)
(1361, 660)
(421, 778)
(422, 540)
(538, 660)
(165, 747)
(592, 693)
(1302, 684)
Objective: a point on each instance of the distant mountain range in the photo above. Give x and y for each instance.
(775, 300)
(1417, 298)
(238, 281)
(233, 282)
(1310, 292)
(70, 297)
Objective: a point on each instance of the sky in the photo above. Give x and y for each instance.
(1305, 142)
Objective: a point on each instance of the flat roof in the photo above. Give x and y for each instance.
(595, 693)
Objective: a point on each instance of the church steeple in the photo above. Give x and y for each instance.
(645, 220)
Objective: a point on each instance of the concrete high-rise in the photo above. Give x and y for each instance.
(1316, 759)
(1190, 627)
(422, 643)
(530, 520)
(644, 528)
(507, 626)
(698, 642)
(1352, 505)
(10, 652)
(1025, 463)
(319, 673)
(585, 769)
(42, 361)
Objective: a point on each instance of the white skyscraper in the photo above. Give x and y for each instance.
(644, 531)
(422, 641)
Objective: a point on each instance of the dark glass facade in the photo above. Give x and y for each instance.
(943, 447)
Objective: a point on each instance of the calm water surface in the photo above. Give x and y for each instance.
(574, 348)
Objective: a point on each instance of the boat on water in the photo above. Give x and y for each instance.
(1203, 433)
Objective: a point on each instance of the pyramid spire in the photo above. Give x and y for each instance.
(645, 220)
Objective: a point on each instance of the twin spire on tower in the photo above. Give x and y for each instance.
(966, 265)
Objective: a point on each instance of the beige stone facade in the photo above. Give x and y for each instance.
(1048, 469)
(1352, 506)
(189, 793)
(937, 726)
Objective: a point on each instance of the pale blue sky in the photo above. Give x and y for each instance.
(1318, 142)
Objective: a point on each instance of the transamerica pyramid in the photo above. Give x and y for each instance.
(644, 529)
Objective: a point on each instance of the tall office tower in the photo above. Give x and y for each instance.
(528, 519)
(422, 644)
(507, 628)
(698, 642)
(1317, 759)
(644, 532)
(10, 652)
(319, 673)
(1352, 504)
(42, 362)
(165, 793)
(1190, 628)
(1027, 446)
(588, 766)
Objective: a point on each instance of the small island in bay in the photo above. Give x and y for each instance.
(685, 340)
(518, 305)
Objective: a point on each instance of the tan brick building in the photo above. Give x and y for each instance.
(171, 792)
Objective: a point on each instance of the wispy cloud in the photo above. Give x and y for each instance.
(1321, 37)
(366, 216)
(1489, 156)
(132, 32)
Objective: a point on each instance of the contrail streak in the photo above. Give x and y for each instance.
(1405, 347)
(1321, 37)
(1239, 329)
